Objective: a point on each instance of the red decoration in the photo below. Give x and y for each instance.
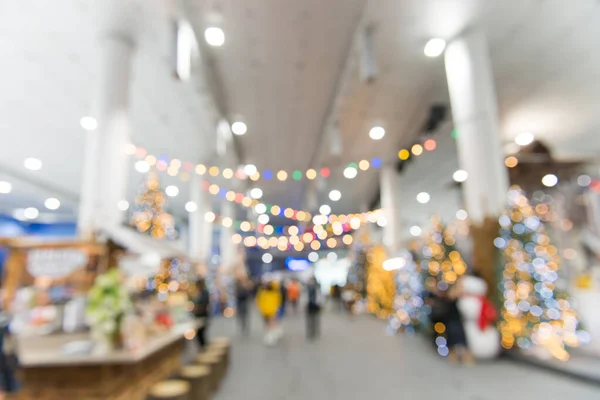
(430, 145)
(325, 172)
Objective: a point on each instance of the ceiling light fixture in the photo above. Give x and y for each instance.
(239, 128)
(377, 133)
(214, 36)
(5, 187)
(415, 230)
(256, 193)
(31, 213)
(434, 47)
(524, 138)
(88, 123)
(460, 176)
(549, 180)
(172, 190)
(32, 164)
(423, 197)
(325, 209)
(123, 205)
(335, 195)
(190, 206)
(52, 203)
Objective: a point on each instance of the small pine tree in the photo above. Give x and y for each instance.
(408, 302)
(534, 312)
(442, 260)
(149, 215)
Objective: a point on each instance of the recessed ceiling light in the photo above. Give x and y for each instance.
(88, 123)
(52, 203)
(462, 215)
(263, 219)
(214, 36)
(313, 256)
(142, 166)
(5, 187)
(267, 258)
(377, 133)
(415, 230)
(250, 169)
(325, 209)
(350, 172)
(190, 206)
(31, 213)
(256, 193)
(335, 195)
(460, 176)
(423, 197)
(123, 205)
(33, 164)
(549, 180)
(524, 138)
(172, 190)
(434, 47)
(239, 128)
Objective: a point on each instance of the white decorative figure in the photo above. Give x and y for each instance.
(482, 336)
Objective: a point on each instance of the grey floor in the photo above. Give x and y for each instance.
(354, 359)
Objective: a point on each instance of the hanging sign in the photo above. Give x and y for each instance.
(55, 263)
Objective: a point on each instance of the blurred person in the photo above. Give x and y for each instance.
(243, 293)
(313, 308)
(293, 294)
(202, 311)
(268, 300)
(455, 331)
(348, 296)
(8, 382)
(336, 296)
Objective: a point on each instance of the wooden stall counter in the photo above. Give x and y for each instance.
(50, 374)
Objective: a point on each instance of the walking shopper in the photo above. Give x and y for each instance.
(293, 294)
(313, 309)
(243, 292)
(268, 301)
(202, 311)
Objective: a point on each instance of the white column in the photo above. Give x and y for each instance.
(475, 114)
(227, 247)
(201, 231)
(104, 175)
(389, 204)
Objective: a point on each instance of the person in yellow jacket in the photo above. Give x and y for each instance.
(268, 300)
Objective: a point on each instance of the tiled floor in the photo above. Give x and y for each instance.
(355, 360)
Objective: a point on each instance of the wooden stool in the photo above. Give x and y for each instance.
(224, 343)
(220, 352)
(199, 378)
(174, 389)
(212, 361)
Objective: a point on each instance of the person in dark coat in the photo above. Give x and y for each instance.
(202, 311)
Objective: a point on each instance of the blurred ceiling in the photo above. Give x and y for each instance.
(291, 71)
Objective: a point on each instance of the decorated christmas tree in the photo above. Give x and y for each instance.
(408, 301)
(149, 215)
(442, 261)
(381, 287)
(535, 312)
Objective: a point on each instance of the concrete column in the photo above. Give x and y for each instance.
(475, 114)
(389, 204)
(201, 231)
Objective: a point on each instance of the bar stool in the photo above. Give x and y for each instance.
(198, 377)
(221, 353)
(222, 342)
(173, 389)
(212, 361)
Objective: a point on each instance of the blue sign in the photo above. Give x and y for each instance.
(297, 264)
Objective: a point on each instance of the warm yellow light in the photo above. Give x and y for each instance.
(439, 327)
(213, 171)
(273, 241)
(230, 196)
(246, 201)
(268, 229)
(299, 246)
(282, 175)
(289, 213)
(417, 149)
(294, 240)
(227, 173)
(293, 230)
(300, 215)
(236, 238)
(172, 171)
(250, 241)
(307, 237)
(200, 169)
(403, 154)
(311, 174)
(262, 241)
(322, 235)
(254, 177)
(331, 243)
(150, 159)
(227, 222)
(511, 161)
(315, 245)
(363, 165)
(175, 163)
(275, 210)
(245, 226)
(213, 189)
(185, 176)
(210, 216)
(347, 239)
